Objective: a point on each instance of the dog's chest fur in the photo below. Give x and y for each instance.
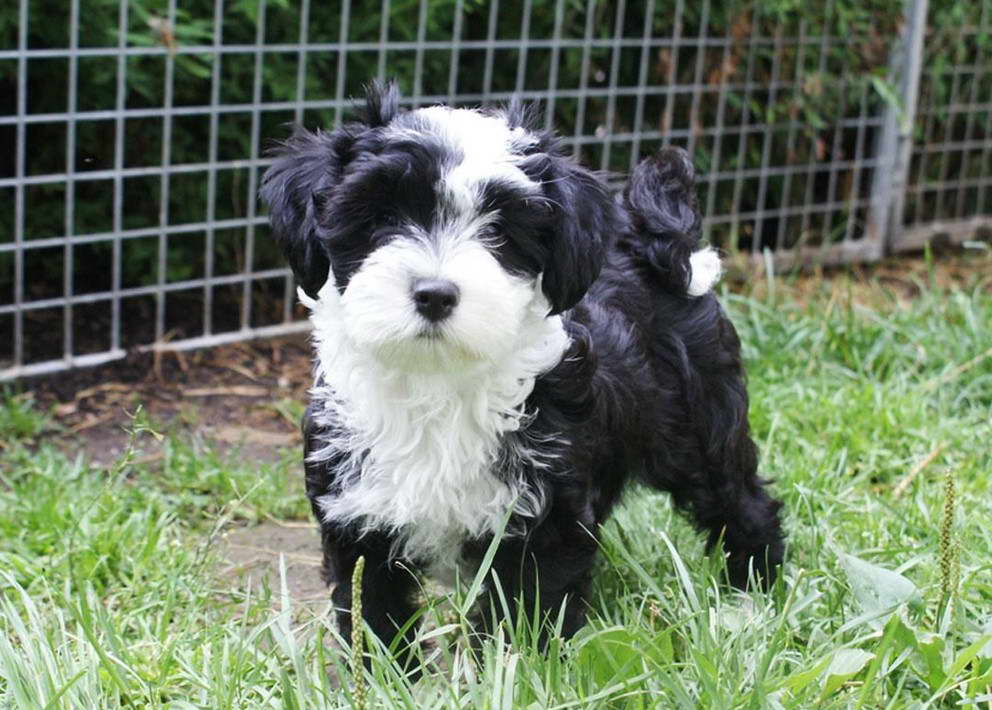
(434, 458)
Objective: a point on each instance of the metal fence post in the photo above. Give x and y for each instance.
(895, 142)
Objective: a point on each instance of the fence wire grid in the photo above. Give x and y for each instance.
(133, 136)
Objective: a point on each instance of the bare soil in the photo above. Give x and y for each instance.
(240, 394)
(254, 553)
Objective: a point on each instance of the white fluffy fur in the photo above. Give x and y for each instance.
(421, 418)
(706, 271)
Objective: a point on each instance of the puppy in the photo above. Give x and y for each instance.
(501, 346)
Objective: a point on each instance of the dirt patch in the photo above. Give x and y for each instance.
(254, 553)
(899, 279)
(245, 394)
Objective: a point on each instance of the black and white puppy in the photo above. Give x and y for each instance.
(498, 338)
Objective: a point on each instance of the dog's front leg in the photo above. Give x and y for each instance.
(389, 587)
(543, 578)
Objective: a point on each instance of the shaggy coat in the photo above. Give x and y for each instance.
(502, 346)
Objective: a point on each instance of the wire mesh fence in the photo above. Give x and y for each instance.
(133, 135)
(949, 188)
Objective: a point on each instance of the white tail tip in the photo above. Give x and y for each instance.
(706, 270)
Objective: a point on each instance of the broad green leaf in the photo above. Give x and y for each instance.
(877, 589)
(611, 655)
(986, 651)
(803, 678)
(967, 656)
(901, 633)
(845, 664)
(931, 648)
(664, 646)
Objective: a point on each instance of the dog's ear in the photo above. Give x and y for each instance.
(306, 168)
(583, 216)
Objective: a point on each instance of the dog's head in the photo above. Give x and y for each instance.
(438, 226)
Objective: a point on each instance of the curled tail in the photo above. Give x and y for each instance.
(661, 199)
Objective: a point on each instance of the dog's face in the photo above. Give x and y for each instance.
(442, 231)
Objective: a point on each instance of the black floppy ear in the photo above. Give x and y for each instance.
(584, 217)
(307, 166)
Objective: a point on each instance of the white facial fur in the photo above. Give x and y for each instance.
(418, 421)
(379, 316)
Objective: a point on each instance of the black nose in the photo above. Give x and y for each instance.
(435, 298)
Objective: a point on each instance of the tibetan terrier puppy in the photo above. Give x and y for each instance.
(501, 346)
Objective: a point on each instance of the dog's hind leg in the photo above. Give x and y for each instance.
(736, 510)
(751, 532)
(702, 453)
(725, 498)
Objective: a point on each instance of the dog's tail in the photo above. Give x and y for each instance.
(661, 200)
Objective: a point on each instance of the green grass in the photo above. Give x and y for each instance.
(110, 593)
